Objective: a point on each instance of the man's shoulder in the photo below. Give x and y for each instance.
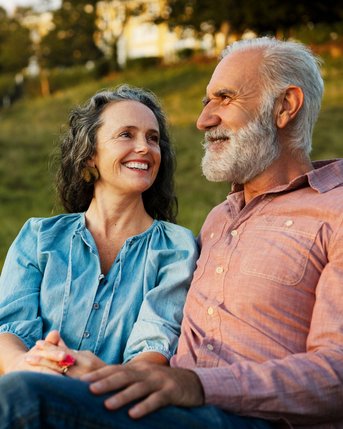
(217, 216)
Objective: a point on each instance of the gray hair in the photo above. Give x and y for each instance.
(78, 145)
(286, 63)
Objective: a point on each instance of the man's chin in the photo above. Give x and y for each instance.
(214, 176)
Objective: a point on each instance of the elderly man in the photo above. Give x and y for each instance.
(262, 336)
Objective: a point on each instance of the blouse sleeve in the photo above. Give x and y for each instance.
(20, 287)
(157, 327)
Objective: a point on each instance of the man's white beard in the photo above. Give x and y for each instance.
(240, 156)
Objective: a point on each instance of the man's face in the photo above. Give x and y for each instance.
(240, 132)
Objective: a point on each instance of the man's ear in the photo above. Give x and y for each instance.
(290, 103)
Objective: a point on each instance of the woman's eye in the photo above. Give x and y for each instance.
(154, 138)
(125, 134)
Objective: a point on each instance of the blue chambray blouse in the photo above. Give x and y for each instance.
(52, 279)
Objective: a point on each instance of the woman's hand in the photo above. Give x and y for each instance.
(22, 363)
(14, 359)
(53, 354)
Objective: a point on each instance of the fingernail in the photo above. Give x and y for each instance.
(96, 387)
(111, 403)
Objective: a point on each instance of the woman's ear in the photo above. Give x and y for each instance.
(90, 162)
(290, 103)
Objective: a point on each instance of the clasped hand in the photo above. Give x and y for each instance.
(50, 352)
(149, 384)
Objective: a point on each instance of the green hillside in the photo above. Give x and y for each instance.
(30, 130)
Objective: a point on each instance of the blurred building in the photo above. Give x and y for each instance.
(137, 31)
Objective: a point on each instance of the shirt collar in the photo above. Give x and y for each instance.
(326, 175)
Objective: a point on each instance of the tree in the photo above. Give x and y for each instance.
(15, 44)
(269, 16)
(71, 42)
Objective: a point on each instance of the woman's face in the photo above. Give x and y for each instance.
(127, 152)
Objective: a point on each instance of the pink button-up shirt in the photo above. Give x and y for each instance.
(263, 320)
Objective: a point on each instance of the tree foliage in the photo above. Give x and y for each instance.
(269, 16)
(15, 44)
(71, 42)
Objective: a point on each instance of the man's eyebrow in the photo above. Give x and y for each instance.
(220, 93)
(225, 92)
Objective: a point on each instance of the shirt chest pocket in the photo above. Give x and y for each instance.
(278, 248)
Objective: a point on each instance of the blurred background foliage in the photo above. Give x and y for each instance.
(71, 67)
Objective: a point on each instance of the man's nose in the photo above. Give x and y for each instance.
(207, 119)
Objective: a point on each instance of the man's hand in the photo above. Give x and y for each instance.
(154, 385)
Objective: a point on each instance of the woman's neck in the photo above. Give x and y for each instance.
(112, 221)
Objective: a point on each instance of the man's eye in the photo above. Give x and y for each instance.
(226, 99)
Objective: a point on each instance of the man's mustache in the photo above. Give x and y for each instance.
(213, 135)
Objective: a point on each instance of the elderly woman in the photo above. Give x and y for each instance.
(105, 283)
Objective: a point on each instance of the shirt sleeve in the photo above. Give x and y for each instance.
(303, 388)
(20, 287)
(158, 324)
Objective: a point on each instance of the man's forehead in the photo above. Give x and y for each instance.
(234, 71)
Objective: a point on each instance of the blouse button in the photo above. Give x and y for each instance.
(219, 270)
(96, 306)
(210, 311)
(210, 347)
(234, 232)
(86, 334)
(289, 222)
(212, 235)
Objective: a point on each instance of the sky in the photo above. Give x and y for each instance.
(10, 5)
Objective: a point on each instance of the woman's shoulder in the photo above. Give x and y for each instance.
(175, 233)
(58, 223)
(169, 227)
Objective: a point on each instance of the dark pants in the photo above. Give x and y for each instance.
(31, 400)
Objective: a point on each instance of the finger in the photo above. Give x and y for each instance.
(46, 345)
(55, 355)
(53, 337)
(131, 393)
(61, 343)
(116, 381)
(39, 361)
(152, 403)
(101, 373)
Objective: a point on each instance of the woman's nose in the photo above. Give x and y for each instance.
(142, 146)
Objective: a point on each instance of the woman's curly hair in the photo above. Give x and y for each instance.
(78, 145)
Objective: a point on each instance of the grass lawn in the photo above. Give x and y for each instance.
(30, 130)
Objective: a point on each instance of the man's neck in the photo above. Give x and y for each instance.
(281, 172)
